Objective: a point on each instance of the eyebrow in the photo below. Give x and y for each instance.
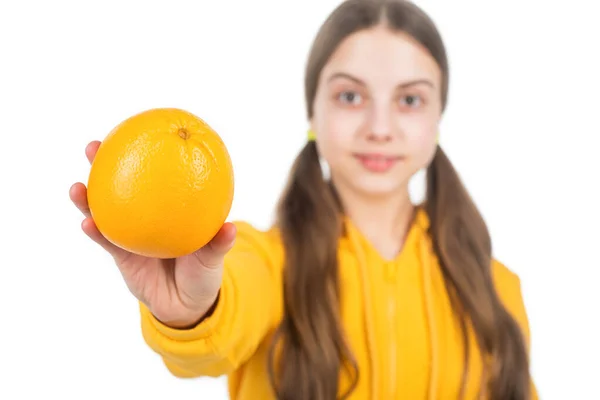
(403, 85)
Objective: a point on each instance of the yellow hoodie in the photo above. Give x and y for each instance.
(396, 315)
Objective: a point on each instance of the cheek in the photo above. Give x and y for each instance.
(337, 130)
(341, 124)
(422, 144)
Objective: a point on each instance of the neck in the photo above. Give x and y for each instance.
(383, 221)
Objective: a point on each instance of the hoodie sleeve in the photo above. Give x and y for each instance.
(246, 310)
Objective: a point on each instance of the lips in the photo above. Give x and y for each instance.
(377, 162)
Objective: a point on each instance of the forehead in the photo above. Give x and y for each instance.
(380, 55)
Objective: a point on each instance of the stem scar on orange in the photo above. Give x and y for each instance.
(161, 184)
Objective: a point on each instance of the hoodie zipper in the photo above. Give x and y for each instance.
(391, 308)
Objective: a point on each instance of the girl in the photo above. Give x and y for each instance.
(355, 292)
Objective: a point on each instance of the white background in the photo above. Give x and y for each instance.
(521, 128)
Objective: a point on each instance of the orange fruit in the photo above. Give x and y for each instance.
(161, 184)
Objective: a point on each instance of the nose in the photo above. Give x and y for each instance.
(380, 123)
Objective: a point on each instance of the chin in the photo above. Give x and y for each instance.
(366, 184)
(377, 187)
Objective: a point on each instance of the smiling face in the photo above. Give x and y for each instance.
(376, 111)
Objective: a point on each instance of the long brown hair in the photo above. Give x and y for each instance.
(311, 350)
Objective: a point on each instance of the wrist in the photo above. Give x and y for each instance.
(193, 320)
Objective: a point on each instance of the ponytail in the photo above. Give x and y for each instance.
(462, 242)
(309, 341)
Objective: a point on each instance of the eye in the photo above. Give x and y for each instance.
(349, 97)
(411, 101)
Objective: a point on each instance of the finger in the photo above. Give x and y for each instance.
(91, 149)
(78, 195)
(212, 254)
(224, 238)
(89, 227)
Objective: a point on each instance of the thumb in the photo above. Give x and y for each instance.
(211, 255)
